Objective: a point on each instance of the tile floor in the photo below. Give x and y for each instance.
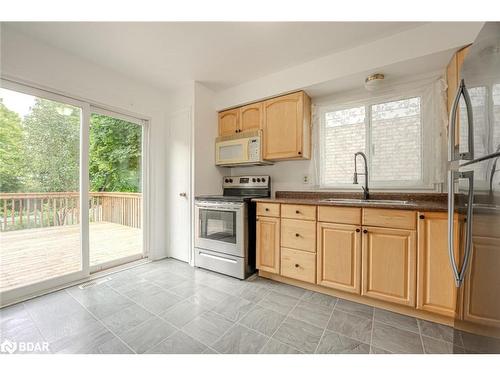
(170, 307)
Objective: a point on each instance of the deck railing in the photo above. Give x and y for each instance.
(38, 210)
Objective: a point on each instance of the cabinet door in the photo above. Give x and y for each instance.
(436, 291)
(389, 265)
(268, 244)
(228, 122)
(283, 127)
(339, 257)
(251, 117)
(482, 283)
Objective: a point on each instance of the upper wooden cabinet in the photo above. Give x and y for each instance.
(436, 290)
(389, 265)
(229, 122)
(287, 127)
(452, 78)
(250, 117)
(285, 122)
(339, 257)
(268, 244)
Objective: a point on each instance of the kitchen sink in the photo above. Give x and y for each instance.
(368, 201)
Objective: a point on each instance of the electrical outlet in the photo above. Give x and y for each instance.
(305, 179)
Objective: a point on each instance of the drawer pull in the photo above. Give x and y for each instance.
(296, 265)
(297, 235)
(365, 231)
(358, 230)
(297, 211)
(267, 209)
(422, 217)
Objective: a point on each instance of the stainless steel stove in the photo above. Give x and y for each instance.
(225, 226)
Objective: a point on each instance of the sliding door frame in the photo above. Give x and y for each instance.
(87, 108)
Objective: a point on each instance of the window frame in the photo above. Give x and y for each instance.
(368, 102)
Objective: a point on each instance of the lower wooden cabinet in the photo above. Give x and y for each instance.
(339, 257)
(389, 265)
(298, 264)
(436, 290)
(482, 283)
(268, 244)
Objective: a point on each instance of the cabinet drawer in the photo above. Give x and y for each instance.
(295, 211)
(268, 209)
(390, 218)
(299, 265)
(341, 215)
(298, 234)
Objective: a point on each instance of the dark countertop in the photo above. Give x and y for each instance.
(416, 201)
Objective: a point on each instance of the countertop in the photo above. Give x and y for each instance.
(416, 201)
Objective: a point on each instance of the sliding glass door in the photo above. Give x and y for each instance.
(115, 174)
(40, 168)
(71, 183)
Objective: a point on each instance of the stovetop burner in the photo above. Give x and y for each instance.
(241, 189)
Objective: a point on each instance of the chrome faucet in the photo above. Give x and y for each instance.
(366, 192)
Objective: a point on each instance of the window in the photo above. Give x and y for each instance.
(389, 133)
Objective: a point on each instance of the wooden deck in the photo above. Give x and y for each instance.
(32, 255)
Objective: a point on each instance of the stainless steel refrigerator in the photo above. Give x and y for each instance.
(474, 194)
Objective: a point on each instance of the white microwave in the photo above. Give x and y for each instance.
(239, 150)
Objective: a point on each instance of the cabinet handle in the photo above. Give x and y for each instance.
(297, 212)
(296, 265)
(267, 209)
(358, 230)
(300, 153)
(365, 231)
(422, 216)
(297, 235)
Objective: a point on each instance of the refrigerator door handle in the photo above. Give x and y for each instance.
(453, 151)
(459, 274)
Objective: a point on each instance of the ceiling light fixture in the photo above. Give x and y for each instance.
(374, 81)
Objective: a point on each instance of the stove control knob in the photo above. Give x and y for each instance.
(253, 180)
(263, 180)
(226, 180)
(258, 180)
(231, 180)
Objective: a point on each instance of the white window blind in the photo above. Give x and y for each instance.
(390, 133)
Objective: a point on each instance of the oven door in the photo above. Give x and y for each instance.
(220, 227)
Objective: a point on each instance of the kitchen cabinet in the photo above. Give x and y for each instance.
(298, 234)
(339, 257)
(389, 265)
(250, 117)
(452, 78)
(436, 290)
(481, 302)
(299, 265)
(268, 244)
(229, 122)
(287, 127)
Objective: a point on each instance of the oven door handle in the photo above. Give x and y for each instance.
(220, 208)
(216, 257)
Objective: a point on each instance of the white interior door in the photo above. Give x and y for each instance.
(179, 185)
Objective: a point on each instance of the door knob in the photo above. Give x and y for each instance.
(182, 195)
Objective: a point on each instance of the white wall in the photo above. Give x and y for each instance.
(30, 61)
(207, 177)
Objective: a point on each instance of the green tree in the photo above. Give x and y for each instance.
(115, 154)
(11, 150)
(52, 138)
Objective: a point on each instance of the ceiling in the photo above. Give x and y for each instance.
(218, 54)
